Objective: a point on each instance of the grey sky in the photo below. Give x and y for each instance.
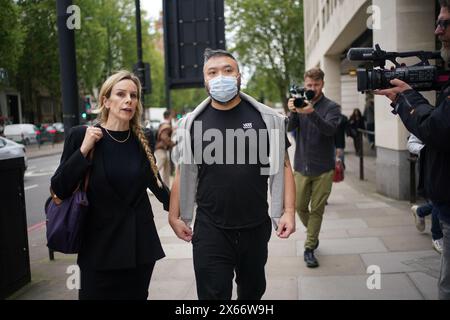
(153, 7)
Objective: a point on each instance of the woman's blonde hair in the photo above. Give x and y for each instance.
(135, 122)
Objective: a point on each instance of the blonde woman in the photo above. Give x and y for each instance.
(120, 244)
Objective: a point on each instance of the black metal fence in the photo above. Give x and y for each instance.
(361, 133)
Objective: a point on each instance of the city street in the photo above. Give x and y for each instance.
(337, 77)
(361, 230)
(37, 183)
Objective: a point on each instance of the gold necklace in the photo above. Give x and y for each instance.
(129, 133)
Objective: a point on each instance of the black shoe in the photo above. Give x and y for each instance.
(311, 261)
(317, 245)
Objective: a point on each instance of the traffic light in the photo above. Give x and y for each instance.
(143, 72)
(84, 115)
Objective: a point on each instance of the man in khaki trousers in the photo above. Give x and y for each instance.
(315, 124)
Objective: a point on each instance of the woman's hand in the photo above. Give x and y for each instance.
(92, 135)
(181, 229)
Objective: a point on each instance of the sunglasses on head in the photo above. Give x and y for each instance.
(443, 24)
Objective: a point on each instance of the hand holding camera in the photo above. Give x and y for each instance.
(306, 108)
(399, 86)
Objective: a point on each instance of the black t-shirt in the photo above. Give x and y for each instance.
(232, 191)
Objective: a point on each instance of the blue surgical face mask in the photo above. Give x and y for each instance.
(223, 88)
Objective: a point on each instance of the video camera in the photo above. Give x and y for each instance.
(301, 95)
(421, 77)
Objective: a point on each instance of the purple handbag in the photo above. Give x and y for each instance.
(65, 218)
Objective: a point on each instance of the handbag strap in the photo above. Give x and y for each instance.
(88, 173)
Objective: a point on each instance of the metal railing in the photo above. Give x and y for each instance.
(361, 132)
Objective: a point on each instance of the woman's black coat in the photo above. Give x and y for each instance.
(119, 232)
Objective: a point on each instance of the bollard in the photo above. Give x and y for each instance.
(51, 254)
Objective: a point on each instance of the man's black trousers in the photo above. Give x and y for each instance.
(219, 253)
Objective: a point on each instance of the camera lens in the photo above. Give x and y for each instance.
(310, 94)
(299, 102)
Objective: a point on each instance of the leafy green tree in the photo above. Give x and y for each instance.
(11, 37)
(187, 99)
(38, 70)
(156, 60)
(107, 43)
(268, 36)
(104, 44)
(260, 87)
(91, 46)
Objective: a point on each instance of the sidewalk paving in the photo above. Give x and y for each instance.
(360, 229)
(46, 149)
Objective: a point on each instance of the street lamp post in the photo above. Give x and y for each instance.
(68, 66)
(140, 68)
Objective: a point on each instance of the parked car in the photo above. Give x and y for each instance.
(59, 126)
(25, 133)
(47, 133)
(10, 149)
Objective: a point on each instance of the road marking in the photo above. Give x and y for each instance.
(36, 226)
(39, 173)
(31, 187)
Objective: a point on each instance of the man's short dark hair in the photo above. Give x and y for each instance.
(316, 74)
(445, 4)
(210, 53)
(166, 114)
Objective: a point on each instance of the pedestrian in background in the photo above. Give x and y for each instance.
(416, 147)
(355, 123)
(163, 147)
(120, 243)
(369, 118)
(314, 165)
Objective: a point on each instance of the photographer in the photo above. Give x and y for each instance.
(432, 126)
(315, 124)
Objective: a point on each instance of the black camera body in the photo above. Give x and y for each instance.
(301, 95)
(421, 77)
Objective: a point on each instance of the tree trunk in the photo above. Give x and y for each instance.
(283, 99)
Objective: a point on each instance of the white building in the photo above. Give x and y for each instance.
(334, 26)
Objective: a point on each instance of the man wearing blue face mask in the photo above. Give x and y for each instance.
(229, 150)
